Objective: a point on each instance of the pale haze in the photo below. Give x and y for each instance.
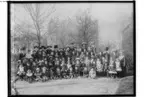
(111, 16)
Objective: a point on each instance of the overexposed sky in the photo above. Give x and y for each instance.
(110, 16)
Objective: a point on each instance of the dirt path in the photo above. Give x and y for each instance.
(70, 86)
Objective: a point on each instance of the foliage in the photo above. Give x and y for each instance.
(127, 45)
(87, 28)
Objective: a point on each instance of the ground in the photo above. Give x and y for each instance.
(96, 86)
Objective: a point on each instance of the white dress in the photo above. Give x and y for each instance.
(92, 74)
(99, 67)
(118, 67)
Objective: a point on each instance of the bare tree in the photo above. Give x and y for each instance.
(39, 17)
(87, 28)
(24, 35)
(127, 44)
(61, 30)
(127, 36)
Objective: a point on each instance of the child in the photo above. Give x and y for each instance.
(44, 73)
(38, 74)
(78, 62)
(76, 72)
(13, 88)
(46, 63)
(62, 62)
(99, 67)
(28, 66)
(71, 74)
(21, 72)
(118, 67)
(92, 62)
(111, 70)
(63, 68)
(68, 63)
(57, 63)
(58, 73)
(85, 72)
(87, 62)
(122, 63)
(92, 73)
(29, 75)
(50, 64)
(51, 73)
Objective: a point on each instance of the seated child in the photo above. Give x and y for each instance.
(21, 72)
(29, 75)
(111, 70)
(63, 71)
(71, 73)
(13, 88)
(38, 74)
(92, 73)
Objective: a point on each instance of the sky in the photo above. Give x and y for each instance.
(111, 16)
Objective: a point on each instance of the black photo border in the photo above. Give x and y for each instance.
(9, 42)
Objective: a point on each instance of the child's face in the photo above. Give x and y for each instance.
(117, 60)
(92, 69)
(28, 64)
(77, 61)
(21, 65)
(50, 63)
(44, 69)
(37, 69)
(29, 71)
(45, 62)
(34, 64)
(70, 69)
(51, 53)
(39, 52)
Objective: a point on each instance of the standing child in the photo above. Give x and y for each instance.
(29, 75)
(99, 67)
(44, 73)
(118, 67)
(111, 70)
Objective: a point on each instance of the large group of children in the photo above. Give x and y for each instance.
(48, 63)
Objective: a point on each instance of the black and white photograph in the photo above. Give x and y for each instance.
(71, 48)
